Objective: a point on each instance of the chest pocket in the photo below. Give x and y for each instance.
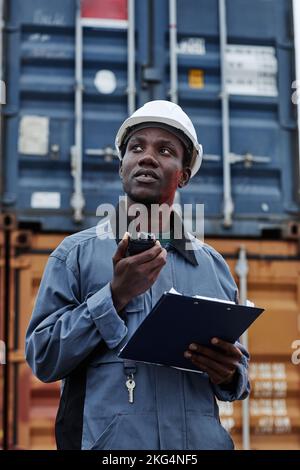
(108, 356)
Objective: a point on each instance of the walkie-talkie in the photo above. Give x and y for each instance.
(143, 242)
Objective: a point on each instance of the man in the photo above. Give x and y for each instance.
(93, 297)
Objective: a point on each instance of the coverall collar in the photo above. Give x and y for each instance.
(179, 244)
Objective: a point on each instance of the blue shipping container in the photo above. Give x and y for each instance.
(72, 79)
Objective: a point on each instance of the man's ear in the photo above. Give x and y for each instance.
(185, 177)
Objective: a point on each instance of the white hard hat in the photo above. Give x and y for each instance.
(166, 114)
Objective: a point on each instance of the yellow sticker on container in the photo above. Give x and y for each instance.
(196, 78)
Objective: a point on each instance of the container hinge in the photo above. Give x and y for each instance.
(108, 153)
(248, 159)
(211, 157)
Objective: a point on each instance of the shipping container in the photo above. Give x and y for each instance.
(273, 283)
(73, 75)
(272, 275)
(30, 404)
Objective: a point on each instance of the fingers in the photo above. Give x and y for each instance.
(148, 255)
(155, 272)
(159, 261)
(155, 253)
(152, 269)
(205, 364)
(216, 355)
(219, 365)
(121, 249)
(218, 373)
(229, 348)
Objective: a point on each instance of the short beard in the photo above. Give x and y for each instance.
(146, 200)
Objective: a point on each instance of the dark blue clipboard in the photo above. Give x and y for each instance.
(177, 321)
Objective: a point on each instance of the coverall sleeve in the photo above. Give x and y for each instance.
(63, 330)
(239, 388)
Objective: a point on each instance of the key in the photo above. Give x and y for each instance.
(130, 384)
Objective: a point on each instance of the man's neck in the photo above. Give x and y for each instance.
(150, 218)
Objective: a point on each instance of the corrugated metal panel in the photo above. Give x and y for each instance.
(40, 106)
(259, 125)
(273, 282)
(40, 111)
(32, 405)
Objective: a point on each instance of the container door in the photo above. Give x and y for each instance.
(31, 404)
(262, 124)
(42, 120)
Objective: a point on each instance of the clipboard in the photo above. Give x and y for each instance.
(177, 321)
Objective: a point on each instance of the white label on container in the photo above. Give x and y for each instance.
(251, 70)
(105, 81)
(191, 46)
(45, 200)
(33, 135)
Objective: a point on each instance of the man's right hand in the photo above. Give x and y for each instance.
(134, 275)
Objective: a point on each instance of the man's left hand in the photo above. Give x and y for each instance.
(219, 363)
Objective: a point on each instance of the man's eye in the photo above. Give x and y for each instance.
(136, 148)
(165, 151)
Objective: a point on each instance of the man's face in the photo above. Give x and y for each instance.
(152, 166)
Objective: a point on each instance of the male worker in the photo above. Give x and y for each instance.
(93, 297)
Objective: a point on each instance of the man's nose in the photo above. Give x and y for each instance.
(148, 158)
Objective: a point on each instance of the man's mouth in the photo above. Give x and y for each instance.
(145, 176)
